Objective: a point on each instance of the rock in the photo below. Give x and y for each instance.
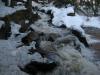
(32, 36)
(47, 46)
(81, 38)
(5, 32)
(36, 67)
(40, 51)
(49, 36)
(65, 40)
(63, 26)
(51, 17)
(71, 14)
(39, 36)
(40, 62)
(62, 3)
(49, 12)
(42, 10)
(20, 16)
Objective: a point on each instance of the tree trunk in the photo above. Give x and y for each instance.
(29, 9)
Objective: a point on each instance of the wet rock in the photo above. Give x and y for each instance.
(49, 12)
(5, 32)
(71, 14)
(81, 38)
(32, 36)
(50, 36)
(38, 36)
(42, 10)
(24, 28)
(39, 50)
(63, 26)
(47, 46)
(19, 17)
(65, 40)
(40, 62)
(51, 17)
(17, 35)
(59, 3)
(62, 3)
(35, 67)
(50, 39)
(35, 8)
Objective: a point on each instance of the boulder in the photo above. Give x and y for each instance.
(47, 46)
(71, 14)
(81, 38)
(32, 36)
(38, 67)
(5, 32)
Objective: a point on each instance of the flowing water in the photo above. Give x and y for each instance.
(95, 33)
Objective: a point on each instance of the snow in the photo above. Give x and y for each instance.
(15, 28)
(75, 22)
(8, 10)
(67, 20)
(34, 4)
(92, 22)
(60, 17)
(19, 3)
(26, 21)
(70, 9)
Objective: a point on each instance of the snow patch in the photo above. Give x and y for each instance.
(92, 22)
(15, 28)
(8, 10)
